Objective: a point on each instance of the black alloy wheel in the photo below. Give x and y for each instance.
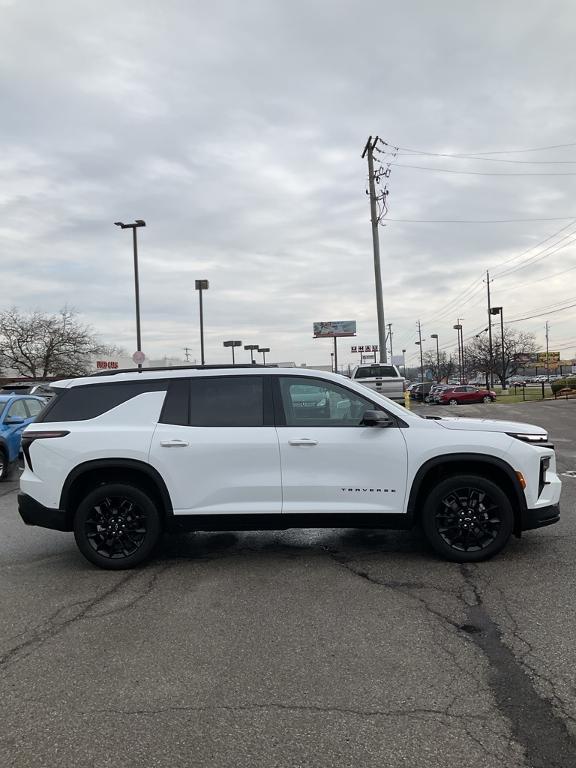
(117, 526)
(468, 518)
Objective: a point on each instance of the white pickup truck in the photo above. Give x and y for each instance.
(382, 378)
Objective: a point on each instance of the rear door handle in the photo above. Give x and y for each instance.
(173, 443)
(303, 441)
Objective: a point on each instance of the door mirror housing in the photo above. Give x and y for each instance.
(14, 420)
(376, 419)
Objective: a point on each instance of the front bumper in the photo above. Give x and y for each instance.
(538, 518)
(34, 513)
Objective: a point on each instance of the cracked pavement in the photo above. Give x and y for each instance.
(294, 648)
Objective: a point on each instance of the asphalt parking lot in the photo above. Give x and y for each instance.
(297, 648)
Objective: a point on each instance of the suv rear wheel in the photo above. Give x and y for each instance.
(4, 466)
(117, 526)
(467, 518)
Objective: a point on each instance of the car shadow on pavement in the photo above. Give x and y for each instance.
(292, 543)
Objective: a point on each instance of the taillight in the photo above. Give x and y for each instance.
(29, 437)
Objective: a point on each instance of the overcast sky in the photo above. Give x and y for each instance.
(235, 130)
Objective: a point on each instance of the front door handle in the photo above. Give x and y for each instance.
(303, 441)
(173, 443)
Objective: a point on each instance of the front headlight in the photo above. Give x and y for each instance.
(533, 439)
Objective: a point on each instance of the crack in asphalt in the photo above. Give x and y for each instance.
(60, 619)
(534, 723)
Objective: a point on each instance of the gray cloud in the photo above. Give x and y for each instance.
(236, 130)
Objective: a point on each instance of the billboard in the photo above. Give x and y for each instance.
(334, 328)
(364, 348)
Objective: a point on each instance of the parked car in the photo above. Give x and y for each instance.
(118, 459)
(420, 391)
(16, 412)
(436, 391)
(466, 394)
(385, 379)
(40, 389)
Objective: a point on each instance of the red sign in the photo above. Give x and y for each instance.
(367, 348)
(102, 364)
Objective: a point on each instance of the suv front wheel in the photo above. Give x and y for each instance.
(117, 526)
(467, 518)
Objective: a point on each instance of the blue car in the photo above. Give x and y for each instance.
(16, 412)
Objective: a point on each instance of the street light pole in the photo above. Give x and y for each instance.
(251, 348)
(500, 311)
(232, 344)
(435, 336)
(458, 328)
(201, 285)
(137, 223)
(404, 361)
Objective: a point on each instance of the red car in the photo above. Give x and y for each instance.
(466, 394)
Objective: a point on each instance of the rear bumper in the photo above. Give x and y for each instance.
(34, 513)
(538, 518)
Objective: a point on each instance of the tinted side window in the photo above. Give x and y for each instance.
(177, 403)
(227, 401)
(91, 400)
(315, 403)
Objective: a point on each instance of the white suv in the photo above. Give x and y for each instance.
(119, 458)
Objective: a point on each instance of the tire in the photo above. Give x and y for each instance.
(108, 508)
(4, 466)
(452, 402)
(488, 399)
(455, 525)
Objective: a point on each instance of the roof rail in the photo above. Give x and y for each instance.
(114, 371)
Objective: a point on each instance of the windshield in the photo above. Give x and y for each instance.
(373, 371)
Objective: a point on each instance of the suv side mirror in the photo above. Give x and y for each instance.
(376, 419)
(14, 420)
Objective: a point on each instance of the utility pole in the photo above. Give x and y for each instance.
(547, 352)
(187, 354)
(490, 350)
(419, 342)
(390, 337)
(369, 152)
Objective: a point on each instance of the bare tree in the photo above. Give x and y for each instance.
(40, 345)
(448, 368)
(517, 345)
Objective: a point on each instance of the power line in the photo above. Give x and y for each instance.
(448, 308)
(483, 173)
(538, 256)
(533, 247)
(540, 314)
(546, 277)
(493, 152)
(479, 221)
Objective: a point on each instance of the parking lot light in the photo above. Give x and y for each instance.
(435, 336)
(251, 348)
(134, 226)
(232, 344)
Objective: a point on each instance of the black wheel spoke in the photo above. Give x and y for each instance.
(115, 527)
(467, 519)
